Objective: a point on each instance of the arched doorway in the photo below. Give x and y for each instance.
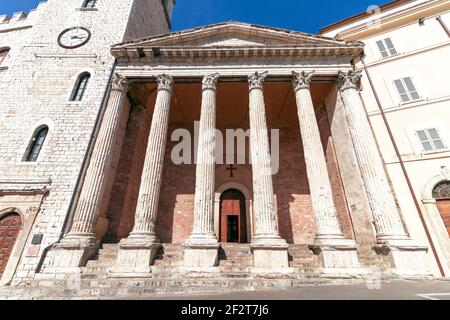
(10, 225)
(233, 219)
(441, 193)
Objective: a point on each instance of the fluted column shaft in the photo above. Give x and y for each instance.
(327, 225)
(149, 191)
(263, 202)
(203, 228)
(386, 216)
(111, 133)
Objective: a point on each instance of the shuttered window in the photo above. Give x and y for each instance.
(430, 140)
(406, 89)
(386, 47)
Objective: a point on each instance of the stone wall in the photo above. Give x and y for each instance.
(35, 90)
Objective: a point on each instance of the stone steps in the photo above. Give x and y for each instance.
(234, 273)
(368, 258)
(169, 255)
(108, 288)
(231, 255)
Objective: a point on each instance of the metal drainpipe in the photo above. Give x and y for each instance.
(70, 211)
(443, 25)
(405, 173)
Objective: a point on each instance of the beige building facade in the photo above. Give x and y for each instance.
(407, 45)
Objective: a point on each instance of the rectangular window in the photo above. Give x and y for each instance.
(89, 4)
(3, 54)
(386, 47)
(406, 89)
(430, 140)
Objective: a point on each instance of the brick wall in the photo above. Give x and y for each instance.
(339, 196)
(176, 206)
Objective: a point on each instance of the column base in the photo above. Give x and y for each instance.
(271, 256)
(201, 255)
(201, 251)
(136, 255)
(72, 253)
(406, 257)
(337, 257)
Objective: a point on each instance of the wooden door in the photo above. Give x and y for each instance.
(9, 229)
(233, 226)
(444, 210)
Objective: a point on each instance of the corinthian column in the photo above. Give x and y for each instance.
(201, 246)
(327, 225)
(385, 213)
(80, 241)
(139, 249)
(408, 257)
(335, 251)
(268, 248)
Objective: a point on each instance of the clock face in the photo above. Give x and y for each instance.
(74, 37)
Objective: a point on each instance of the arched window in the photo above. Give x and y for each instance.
(36, 144)
(80, 87)
(3, 54)
(442, 195)
(442, 191)
(89, 3)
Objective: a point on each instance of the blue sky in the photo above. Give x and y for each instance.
(300, 15)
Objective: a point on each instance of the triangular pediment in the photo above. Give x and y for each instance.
(233, 35)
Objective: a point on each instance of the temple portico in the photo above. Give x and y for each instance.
(283, 183)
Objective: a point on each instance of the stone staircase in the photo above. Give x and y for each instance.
(369, 259)
(234, 273)
(232, 256)
(301, 257)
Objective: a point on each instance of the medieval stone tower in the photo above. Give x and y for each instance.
(55, 70)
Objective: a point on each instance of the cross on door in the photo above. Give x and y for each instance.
(231, 168)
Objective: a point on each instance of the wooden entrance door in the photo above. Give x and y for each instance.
(9, 229)
(444, 210)
(233, 224)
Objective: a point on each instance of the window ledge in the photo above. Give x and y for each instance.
(29, 163)
(434, 152)
(87, 9)
(411, 102)
(390, 56)
(77, 103)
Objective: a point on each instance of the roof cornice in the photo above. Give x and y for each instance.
(232, 52)
(180, 44)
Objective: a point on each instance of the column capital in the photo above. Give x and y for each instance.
(349, 80)
(302, 80)
(165, 82)
(256, 80)
(209, 82)
(119, 83)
